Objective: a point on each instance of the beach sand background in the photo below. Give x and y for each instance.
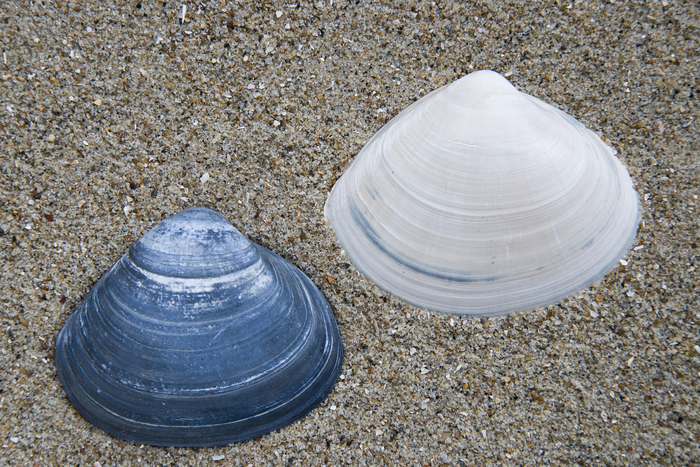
(114, 115)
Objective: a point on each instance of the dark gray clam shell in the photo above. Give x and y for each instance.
(198, 337)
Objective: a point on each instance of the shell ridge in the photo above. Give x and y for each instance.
(104, 350)
(326, 363)
(405, 262)
(130, 310)
(201, 285)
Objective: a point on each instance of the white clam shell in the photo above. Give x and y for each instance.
(481, 200)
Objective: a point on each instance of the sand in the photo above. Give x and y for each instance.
(117, 115)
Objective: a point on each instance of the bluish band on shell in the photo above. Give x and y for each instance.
(198, 337)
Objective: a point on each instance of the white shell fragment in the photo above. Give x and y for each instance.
(481, 200)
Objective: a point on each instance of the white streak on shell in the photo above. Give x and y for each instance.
(481, 200)
(255, 276)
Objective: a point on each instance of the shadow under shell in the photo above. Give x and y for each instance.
(198, 337)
